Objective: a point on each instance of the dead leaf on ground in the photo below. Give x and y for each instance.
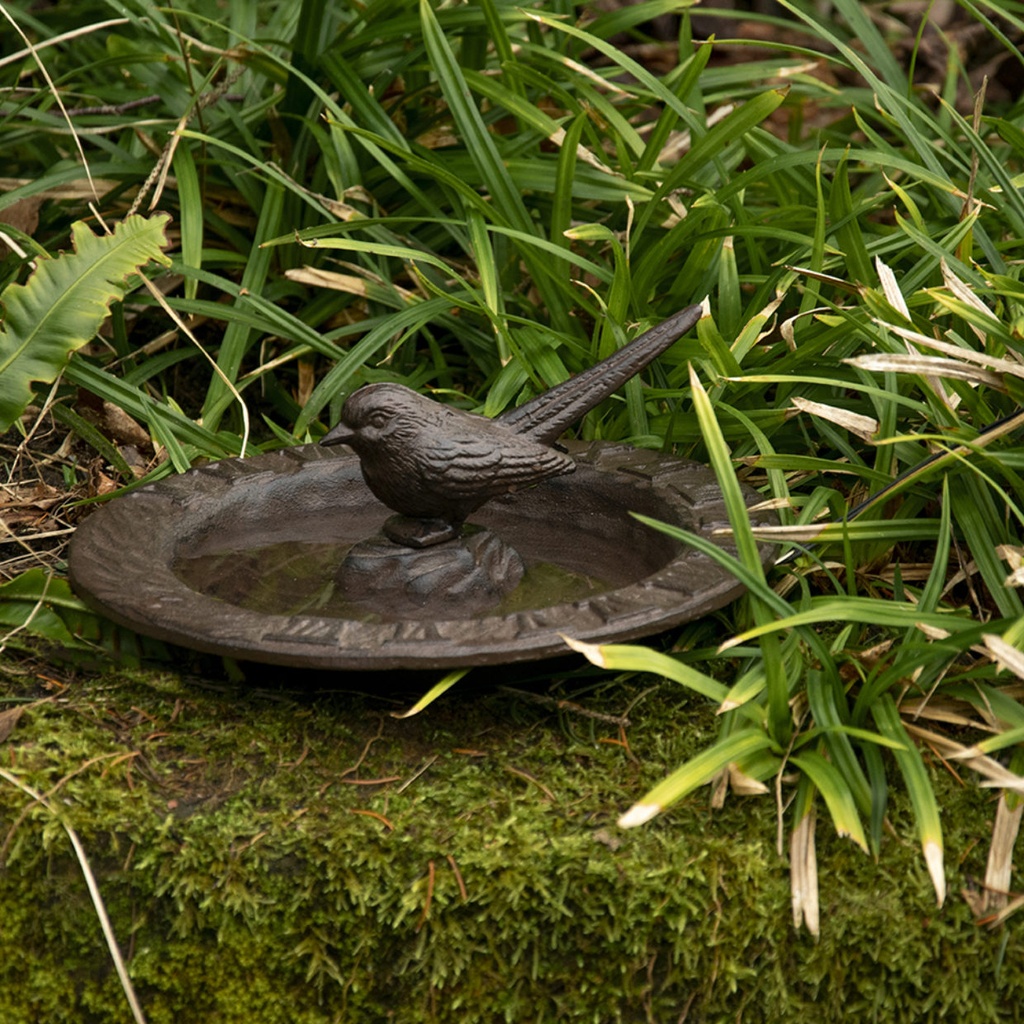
(23, 216)
(8, 720)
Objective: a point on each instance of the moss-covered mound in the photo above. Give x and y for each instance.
(302, 856)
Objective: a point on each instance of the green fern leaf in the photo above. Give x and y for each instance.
(64, 303)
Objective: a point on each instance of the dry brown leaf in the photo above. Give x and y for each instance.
(930, 367)
(119, 426)
(744, 784)
(8, 720)
(22, 215)
(995, 774)
(864, 427)
(307, 381)
(1000, 854)
(1005, 655)
(803, 875)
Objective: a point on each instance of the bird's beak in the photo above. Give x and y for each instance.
(339, 435)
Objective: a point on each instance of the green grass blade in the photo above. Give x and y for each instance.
(833, 787)
(167, 422)
(777, 683)
(490, 280)
(919, 787)
(630, 658)
(237, 337)
(849, 236)
(403, 323)
(696, 772)
(857, 609)
(507, 202)
(432, 694)
(654, 85)
(982, 523)
(191, 204)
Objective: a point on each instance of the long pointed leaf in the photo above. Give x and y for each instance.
(694, 773)
(838, 798)
(922, 796)
(508, 203)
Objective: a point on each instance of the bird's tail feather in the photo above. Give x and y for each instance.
(547, 416)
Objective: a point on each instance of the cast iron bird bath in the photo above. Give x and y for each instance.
(501, 546)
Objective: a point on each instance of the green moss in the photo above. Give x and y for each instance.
(256, 872)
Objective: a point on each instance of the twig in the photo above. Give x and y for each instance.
(366, 749)
(408, 782)
(523, 774)
(458, 876)
(431, 873)
(375, 815)
(566, 705)
(118, 108)
(56, 95)
(33, 50)
(94, 893)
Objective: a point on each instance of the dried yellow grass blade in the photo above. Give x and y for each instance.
(864, 427)
(1014, 558)
(639, 814)
(1010, 908)
(592, 652)
(94, 894)
(995, 774)
(1006, 655)
(962, 355)
(962, 291)
(932, 367)
(71, 190)
(891, 288)
(348, 283)
(933, 858)
(940, 709)
(583, 154)
(803, 875)
(1000, 854)
(744, 784)
(678, 143)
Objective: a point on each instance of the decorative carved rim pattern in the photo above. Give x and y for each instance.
(122, 558)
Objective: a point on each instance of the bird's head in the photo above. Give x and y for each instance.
(377, 414)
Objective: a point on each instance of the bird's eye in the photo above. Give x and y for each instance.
(378, 419)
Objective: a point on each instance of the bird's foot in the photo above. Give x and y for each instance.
(420, 533)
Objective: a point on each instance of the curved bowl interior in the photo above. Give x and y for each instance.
(241, 557)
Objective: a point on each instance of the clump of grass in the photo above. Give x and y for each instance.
(480, 200)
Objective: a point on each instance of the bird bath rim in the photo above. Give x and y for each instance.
(125, 559)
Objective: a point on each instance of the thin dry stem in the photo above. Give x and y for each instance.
(94, 893)
(56, 95)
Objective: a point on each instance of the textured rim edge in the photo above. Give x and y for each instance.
(120, 564)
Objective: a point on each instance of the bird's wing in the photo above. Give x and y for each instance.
(497, 462)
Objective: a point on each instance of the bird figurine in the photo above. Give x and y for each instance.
(435, 465)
